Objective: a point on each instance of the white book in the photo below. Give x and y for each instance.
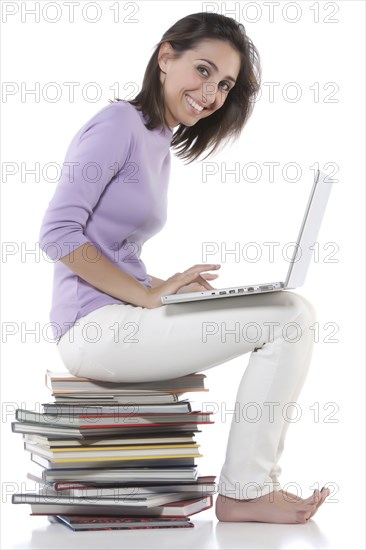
(140, 501)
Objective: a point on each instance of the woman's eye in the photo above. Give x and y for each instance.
(203, 69)
(225, 86)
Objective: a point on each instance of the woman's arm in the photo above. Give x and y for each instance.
(155, 281)
(106, 276)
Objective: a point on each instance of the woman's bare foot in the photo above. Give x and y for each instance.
(276, 507)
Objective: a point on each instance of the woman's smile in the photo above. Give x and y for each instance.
(195, 107)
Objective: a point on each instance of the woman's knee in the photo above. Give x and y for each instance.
(304, 310)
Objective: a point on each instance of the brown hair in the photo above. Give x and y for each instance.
(229, 120)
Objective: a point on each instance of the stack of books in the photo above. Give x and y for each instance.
(116, 456)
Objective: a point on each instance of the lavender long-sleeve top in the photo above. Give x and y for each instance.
(112, 193)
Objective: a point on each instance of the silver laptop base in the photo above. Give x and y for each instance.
(223, 293)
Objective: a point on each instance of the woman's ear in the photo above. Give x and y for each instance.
(164, 54)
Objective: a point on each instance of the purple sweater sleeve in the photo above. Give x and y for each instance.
(96, 154)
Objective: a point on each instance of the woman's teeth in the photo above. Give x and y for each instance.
(193, 104)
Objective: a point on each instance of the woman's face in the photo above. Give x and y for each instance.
(197, 84)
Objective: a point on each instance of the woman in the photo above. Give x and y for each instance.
(106, 311)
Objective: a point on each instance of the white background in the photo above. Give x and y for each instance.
(324, 130)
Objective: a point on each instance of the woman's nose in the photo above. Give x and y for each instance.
(209, 92)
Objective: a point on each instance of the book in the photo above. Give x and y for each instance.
(202, 486)
(105, 453)
(90, 421)
(119, 475)
(141, 501)
(197, 490)
(64, 382)
(158, 439)
(97, 431)
(180, 509)
(46, 429)
(118, 408)
(84, 523)
(149, 397)
(124, 462)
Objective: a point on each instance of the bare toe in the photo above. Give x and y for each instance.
(320, 497)
(324, 493)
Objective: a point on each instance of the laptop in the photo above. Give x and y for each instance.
(300, 260)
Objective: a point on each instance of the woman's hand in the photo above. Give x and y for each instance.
(200, 285)
(191, 280)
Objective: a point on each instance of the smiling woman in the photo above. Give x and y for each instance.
(200, 81)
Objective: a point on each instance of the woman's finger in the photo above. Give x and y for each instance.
(209, 276)
(202, 267)
(201, 281)
(179, 280)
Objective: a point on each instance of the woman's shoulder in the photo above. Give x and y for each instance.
(118, 120)
(121, 113)
(122, 107)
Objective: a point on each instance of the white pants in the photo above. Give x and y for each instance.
(125, 343)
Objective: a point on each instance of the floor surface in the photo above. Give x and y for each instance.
(331, 528)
